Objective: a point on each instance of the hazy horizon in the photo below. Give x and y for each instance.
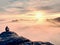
(37, 20)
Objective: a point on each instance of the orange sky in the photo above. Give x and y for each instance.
(33, 19)
(31, 27)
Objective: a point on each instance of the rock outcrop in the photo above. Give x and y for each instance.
(11, 38)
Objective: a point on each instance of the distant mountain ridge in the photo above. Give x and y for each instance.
(11, 38)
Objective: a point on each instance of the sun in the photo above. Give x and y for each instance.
(37, 16)
(40, 16)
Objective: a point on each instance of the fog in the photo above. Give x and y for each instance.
(31, 30)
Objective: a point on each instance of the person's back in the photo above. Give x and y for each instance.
(7, 29)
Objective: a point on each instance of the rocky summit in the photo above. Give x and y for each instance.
(11, 38)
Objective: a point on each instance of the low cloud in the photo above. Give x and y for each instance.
(54, 22)
(57, 19)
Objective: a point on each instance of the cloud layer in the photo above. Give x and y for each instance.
(25, 6)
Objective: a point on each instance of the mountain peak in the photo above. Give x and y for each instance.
(11, 38)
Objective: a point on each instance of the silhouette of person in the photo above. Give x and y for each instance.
(7, 29)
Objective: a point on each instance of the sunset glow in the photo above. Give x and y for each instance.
(38, 20)
(40, 16)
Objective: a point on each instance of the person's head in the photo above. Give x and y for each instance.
(6, 29)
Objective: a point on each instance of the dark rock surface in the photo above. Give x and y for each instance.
(11, 38)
